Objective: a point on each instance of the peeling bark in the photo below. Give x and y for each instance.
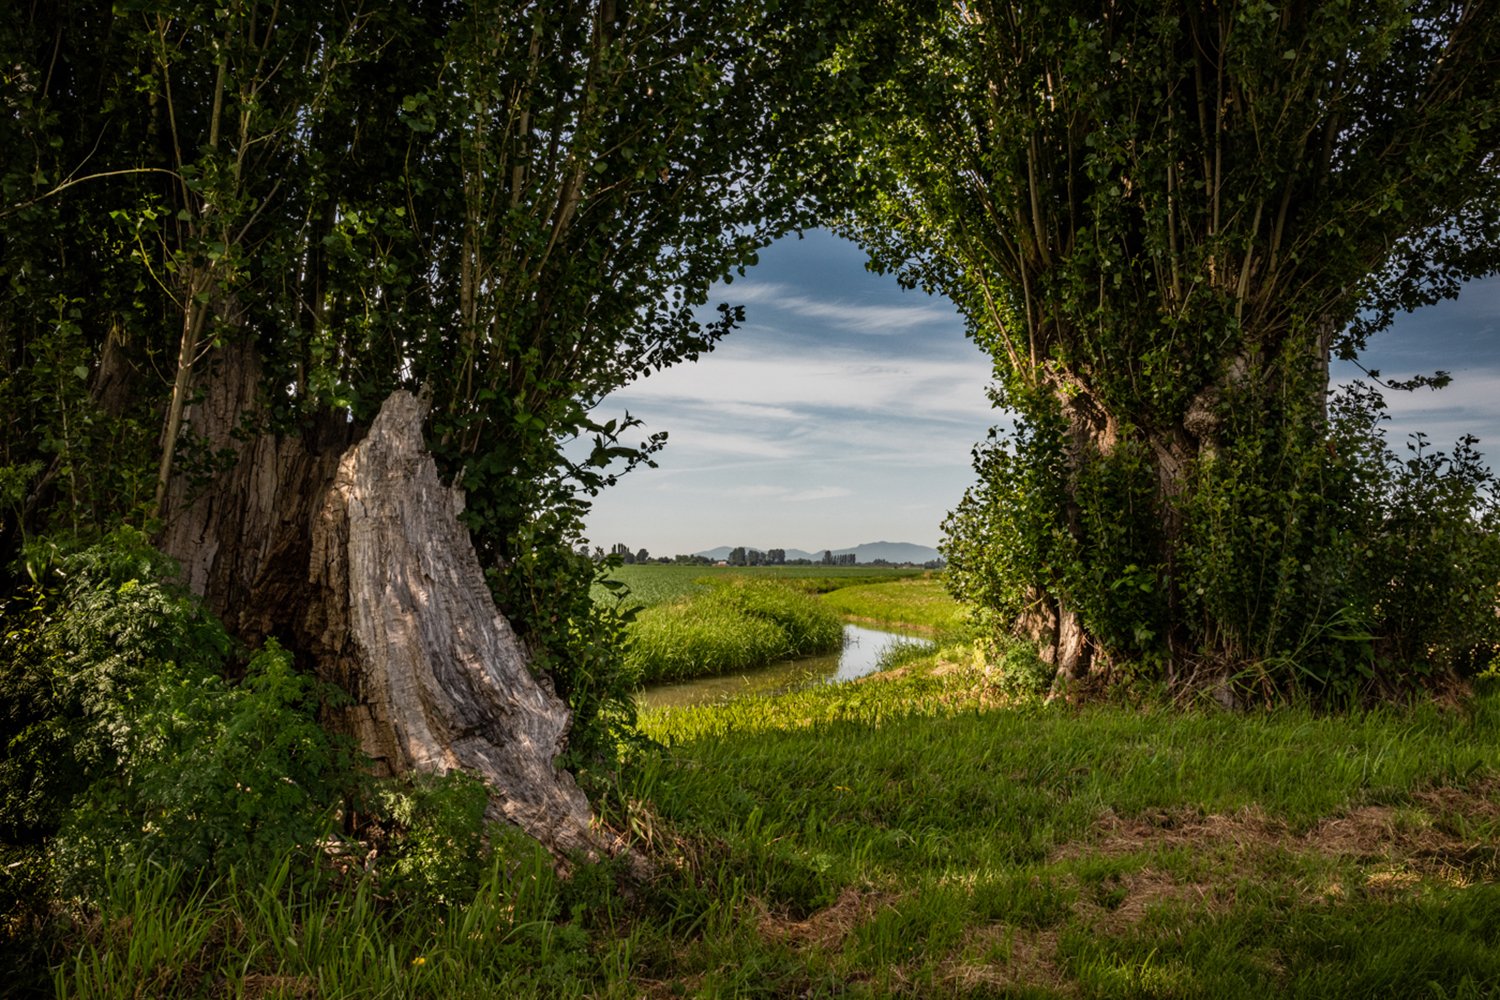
(347, 547)
(403, 620)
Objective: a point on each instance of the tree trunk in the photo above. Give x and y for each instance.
(240, 506)
(351, 553)
(402, 619)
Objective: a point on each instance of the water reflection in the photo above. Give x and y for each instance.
(860, 656)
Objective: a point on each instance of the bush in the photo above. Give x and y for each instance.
(126, 741)
(1305, 558)
(436, 852)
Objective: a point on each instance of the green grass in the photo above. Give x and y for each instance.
(658, 583)
(919, 604)
(735, 625)
(1096, 852)
(918, 835)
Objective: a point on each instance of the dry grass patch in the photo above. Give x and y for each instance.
(828, 928)
(1440, 828)
(1001, 957)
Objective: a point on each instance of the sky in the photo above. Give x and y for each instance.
(845, 409)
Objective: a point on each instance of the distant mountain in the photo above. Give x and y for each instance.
(896, 552)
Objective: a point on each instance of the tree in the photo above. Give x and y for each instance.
(1161, 221)
(737, 556)
(235, 234)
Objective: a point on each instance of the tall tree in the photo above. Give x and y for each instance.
(1161, 220)
(232, 233)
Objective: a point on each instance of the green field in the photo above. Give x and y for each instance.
(656, 583)
(920, 834)
(917, 605)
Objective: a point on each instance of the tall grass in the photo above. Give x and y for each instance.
(911, 837)
(733, 626)
(300, 930)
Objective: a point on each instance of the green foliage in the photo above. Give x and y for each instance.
(1161, 289)
(124, 738)
(1382, 571)
(437, 853)
(1019, 672)
(733, 626)
(518, 207)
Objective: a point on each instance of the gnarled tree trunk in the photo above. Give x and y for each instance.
(344, 544)
(401, 618)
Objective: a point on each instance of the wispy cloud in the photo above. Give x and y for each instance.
(853, 317)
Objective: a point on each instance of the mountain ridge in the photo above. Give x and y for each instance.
(867, 552)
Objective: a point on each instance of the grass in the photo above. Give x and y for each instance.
(735, 625)
(918, 834)
(660, 583)
(914, 836)
(916, 604)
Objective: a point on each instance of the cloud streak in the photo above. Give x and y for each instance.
(882, 320)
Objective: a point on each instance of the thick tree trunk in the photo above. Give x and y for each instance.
(350, 552)
(403, 620)
(238, 516)
(1063, 641)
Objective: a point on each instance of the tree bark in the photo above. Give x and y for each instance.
(346, 547)
(402, 619)
(238, 519)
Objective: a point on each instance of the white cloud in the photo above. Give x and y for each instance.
(818, 493)
(842, 315)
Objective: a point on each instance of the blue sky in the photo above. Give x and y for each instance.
(845, 409)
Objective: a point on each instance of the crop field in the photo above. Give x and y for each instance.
(657, 583)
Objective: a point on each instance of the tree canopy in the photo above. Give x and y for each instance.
(513, 208)
(1161, 220)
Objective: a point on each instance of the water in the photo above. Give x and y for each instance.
(860, 656)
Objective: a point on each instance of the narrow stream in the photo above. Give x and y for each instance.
(860, 656)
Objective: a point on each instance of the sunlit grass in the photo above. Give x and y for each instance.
(732, 626)
(915, 835)
(915, 604)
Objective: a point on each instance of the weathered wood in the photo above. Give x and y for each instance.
(401, 617)
(241, 531)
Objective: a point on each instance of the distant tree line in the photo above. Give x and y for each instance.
(741, 555)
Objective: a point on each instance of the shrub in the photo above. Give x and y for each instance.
(1313, 563)
(127, 742)
(436, 852)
